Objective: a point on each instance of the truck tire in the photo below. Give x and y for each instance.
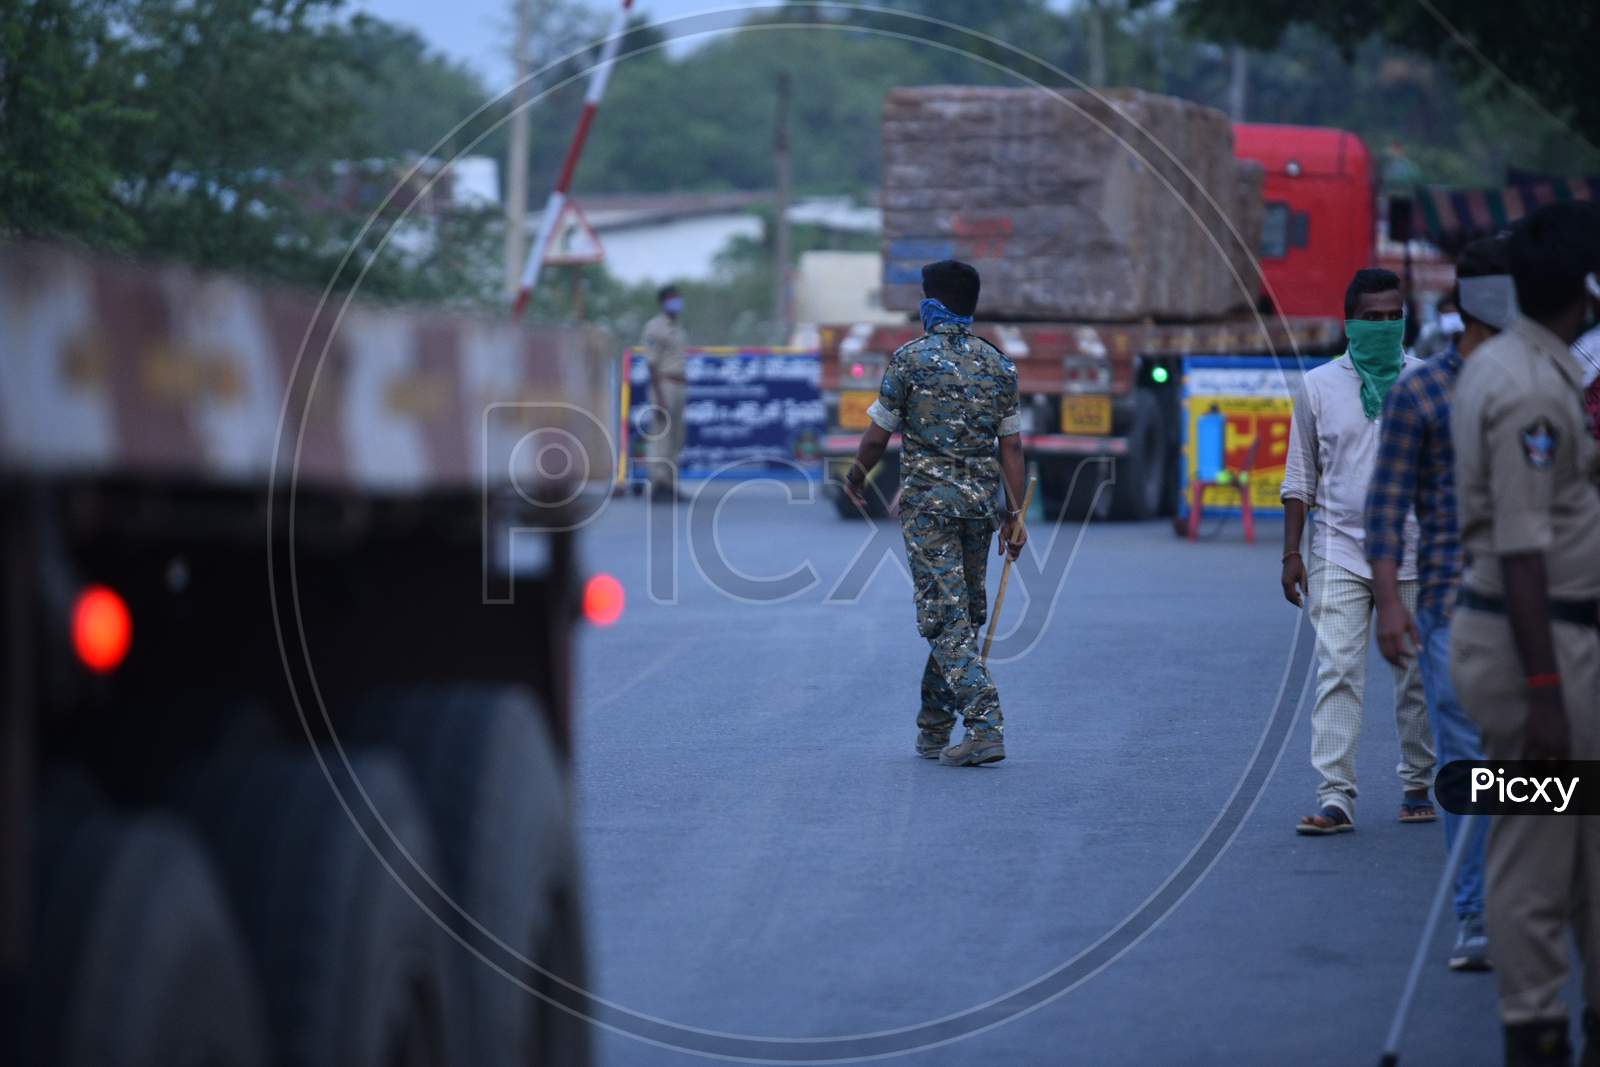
(1172, 453)
(1071, 488)
(352, 968)
(137, 962)
(880, 493)
(496, 793)
(1172, 484)
(1142, 473)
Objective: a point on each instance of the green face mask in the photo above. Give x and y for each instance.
(1378, 355)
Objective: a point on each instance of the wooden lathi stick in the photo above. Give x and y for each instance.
(1005, 576)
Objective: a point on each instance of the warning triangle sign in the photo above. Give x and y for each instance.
(573, 241)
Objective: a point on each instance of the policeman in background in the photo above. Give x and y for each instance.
(951, 396)
(665, 346)
(1525, 646)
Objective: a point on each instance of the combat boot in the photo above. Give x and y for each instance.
(1538, 1044)
(974, 752)
(930, 745)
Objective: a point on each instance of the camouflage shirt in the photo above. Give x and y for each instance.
(949, 395)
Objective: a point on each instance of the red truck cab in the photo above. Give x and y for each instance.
(1321, 222)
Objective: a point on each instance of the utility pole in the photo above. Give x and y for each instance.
(782, 307)
(1238, 83)
(1161, 56)
(517, 158)
(1097, 44)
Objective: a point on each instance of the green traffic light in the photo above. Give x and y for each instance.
(1158, 375)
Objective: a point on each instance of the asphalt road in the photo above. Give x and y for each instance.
(765, 857)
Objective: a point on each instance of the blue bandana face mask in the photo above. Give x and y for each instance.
(934, 313)
(672, 305)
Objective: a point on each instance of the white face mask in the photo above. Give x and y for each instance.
(1489, 298)
(1587, 350)
(1450, 324)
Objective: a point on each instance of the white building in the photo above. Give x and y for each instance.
(839, 288)
(663, 237)
(658, 238)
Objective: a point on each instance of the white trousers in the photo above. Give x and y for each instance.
(1341, 611)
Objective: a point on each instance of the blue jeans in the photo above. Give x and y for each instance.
(1454, 737)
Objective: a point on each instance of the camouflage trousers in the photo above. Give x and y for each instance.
(948, 557)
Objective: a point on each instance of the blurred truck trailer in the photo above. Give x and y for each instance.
(1116, 235)
(286, 721)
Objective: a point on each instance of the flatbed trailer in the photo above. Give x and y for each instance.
(1099, 401)
(286, 729)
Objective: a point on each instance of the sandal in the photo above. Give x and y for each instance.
(1330, 820)
(1416, 807)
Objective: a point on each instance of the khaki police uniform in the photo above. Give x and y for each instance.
(1528, 477)
(666, 349)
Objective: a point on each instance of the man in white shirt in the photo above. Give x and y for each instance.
(1333, 446)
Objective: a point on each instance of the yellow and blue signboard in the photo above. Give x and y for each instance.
(1253, 397)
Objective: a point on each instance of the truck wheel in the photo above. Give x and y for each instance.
(880, 493)
(136, 959)
(1172, 481)
(352, 967)
(496, 793)
(1142, 473)
(1071, 489)
(562, 1039)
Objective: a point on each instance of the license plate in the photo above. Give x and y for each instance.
(1086, 414)
(853, 405)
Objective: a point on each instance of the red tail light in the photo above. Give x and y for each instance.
(603, 600)
(102, 629)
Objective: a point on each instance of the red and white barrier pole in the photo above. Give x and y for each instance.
(558, 196)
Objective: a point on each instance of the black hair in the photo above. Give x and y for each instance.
(1486, 255)
(953, 283)
(1483, 257)
(1550, 251)
(1368, 280)
(666, 291)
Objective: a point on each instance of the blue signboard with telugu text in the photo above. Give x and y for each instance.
(749, 411)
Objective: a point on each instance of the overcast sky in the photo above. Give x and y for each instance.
(473, 30)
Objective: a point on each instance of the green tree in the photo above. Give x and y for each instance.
(1541, 52)
(704, 120)
(248, 117)
(58, 110)
(229, 134)
(408, 99)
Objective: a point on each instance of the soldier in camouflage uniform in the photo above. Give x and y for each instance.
(952, 397)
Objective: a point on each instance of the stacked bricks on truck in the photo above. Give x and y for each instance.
(286, 727)
(1116, 235)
